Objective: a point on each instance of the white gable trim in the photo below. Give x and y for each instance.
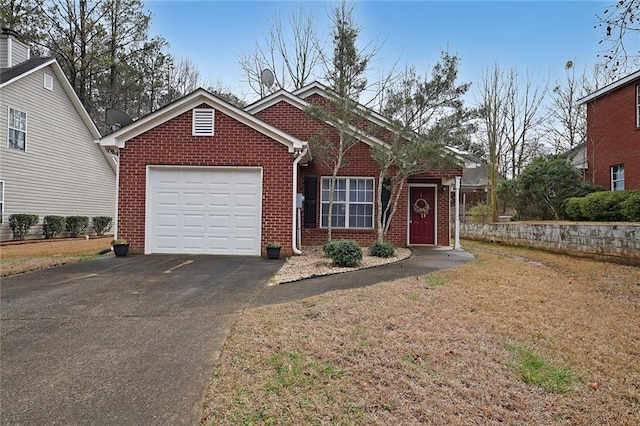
(609, 88)
(317, 88)
(84, 115)
(119, 138)
(284, 96)
(275, 98)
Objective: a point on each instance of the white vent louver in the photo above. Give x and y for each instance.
(203, 122)
(48, 82)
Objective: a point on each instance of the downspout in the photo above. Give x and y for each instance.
(456, 244)
(294, 236)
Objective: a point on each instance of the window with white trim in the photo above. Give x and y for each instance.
(17, 130)
(617, 177)
(1, 201)
(638, 105)
(352, 203)
(203, 122)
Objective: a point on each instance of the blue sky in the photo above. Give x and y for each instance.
(538, 37)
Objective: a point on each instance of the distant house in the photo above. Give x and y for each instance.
(50, 163)
(203, 176)
(613, 134)
(475, 187)
(578, 157)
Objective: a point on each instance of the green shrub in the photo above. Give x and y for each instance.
(20, 224)
(77, 225)
(480, 213)
(329, 248)
(603, 206)
(52, 225)
(101, 224)
(630, 208)
(382, 249)
(573, 208)
(345, 253)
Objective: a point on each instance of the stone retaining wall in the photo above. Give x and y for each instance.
(618, 243)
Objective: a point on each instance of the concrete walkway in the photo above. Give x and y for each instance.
(421, 262)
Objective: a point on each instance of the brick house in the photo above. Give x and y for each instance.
(613, 134)
(203, 176)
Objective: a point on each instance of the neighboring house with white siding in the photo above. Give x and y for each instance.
(50, 163)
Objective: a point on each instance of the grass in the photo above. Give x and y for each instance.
(440, 349)
(537, 371)
(29, 256)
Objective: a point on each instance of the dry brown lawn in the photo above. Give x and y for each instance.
(29, 256)
(434, 349)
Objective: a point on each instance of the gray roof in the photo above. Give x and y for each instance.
(7, 74)
(476, 176)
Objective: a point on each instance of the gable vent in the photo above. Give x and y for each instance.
(48, 82)
(203, 122)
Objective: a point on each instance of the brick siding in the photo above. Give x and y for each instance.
(613, 137)
(234, 144)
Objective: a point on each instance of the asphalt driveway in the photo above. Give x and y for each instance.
(119, 340)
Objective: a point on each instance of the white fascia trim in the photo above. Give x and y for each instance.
(26, 73)
(273, 99)
(310, 89)
(119, 138)
(84, 115)
(609, 88)
(317, 88)
(283, 96)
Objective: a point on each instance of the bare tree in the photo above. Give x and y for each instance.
(292, 52)
(621, 23)
(523, 118)
(493, 102)
(567, 124)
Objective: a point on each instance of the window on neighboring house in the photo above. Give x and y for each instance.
(617, 177)
(17, 129)
(352, 203)
(638, 105)
(1, 201)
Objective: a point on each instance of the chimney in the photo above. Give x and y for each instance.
(12, 50)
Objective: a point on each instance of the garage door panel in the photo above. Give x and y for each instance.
(215, 211)
(166, 242)
(193, 199)
(166, 220)
(169, 199)
(219, 222)
(245, 222)
(193, 243)
(194, 222)
(218, 200)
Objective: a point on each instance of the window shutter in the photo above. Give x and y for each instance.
(385, 197)
(310, 201)
(203, 122)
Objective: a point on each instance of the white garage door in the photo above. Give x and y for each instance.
(204, 210)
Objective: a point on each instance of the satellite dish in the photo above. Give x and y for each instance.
(267, 78)
(117, 118)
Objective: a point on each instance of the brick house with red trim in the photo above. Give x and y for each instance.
(202, 176)
(613, 134)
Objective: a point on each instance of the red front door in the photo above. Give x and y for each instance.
(422, 215)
